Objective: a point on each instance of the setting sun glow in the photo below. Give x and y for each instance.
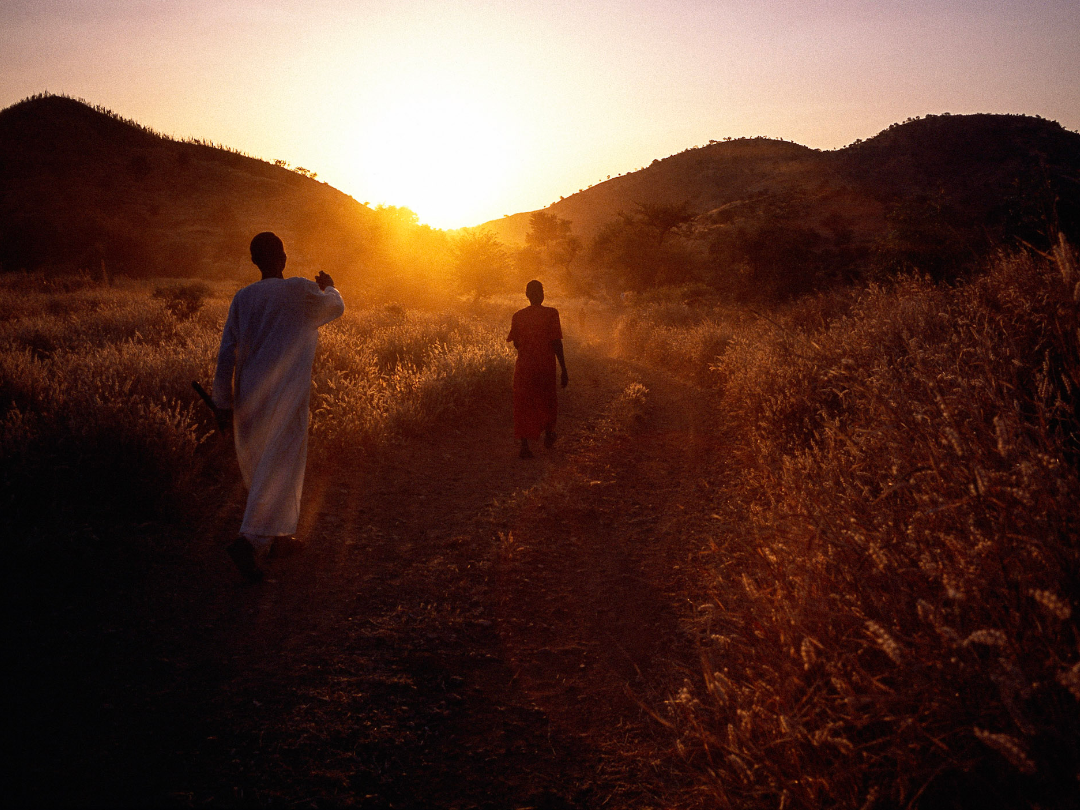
(444, 155)
(464, 111)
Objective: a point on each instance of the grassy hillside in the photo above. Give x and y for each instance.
(750, 219)
(986, 163)
(81, 189)
(773, 218)
(707, 178)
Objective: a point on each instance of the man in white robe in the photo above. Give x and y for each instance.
(263, 386)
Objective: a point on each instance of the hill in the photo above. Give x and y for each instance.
(932, 193)
(81, 188)
(707, 177)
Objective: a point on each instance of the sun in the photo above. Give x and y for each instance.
(445, 155)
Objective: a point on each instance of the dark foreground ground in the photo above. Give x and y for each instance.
(465, 629)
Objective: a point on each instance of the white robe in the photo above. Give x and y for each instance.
(264, 375)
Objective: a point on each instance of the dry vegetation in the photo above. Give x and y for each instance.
(672, 332)
(891, 615)
(98, 412)
(892, 618)
(389, 372)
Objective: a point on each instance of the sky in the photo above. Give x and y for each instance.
(467, 110)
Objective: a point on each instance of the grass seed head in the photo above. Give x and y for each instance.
(885, 641)
(1053, 604)
(1070, 679)
(987, 638)
(1009, 747)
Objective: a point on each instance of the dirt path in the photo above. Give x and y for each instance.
(466, 629)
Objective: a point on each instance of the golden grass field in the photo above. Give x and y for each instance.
(886, 614)
(99, 379)
(892, 614)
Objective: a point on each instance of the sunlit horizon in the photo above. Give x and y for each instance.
(438, 150)
(465, 111)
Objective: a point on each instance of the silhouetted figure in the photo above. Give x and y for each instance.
(264, 377)
(537, 335)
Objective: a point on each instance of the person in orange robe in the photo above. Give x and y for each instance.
(537, 335)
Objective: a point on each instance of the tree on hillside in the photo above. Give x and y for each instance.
(397, 217)
(565, 252)
(528, 264)
(664, 218)
(546, 229)
(635, 251)
(765, 259)
(928, 235)
(482, 263)
(551, 242)
(415, 262)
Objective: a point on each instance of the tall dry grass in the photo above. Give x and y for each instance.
(676, 332)
(98, 418)
(893, 618)
(387, 373)
(96, 410)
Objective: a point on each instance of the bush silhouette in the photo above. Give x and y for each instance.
(183, 300)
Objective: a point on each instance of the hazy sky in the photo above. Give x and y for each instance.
(465, 110)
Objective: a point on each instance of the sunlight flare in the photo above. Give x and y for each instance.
(444, 155)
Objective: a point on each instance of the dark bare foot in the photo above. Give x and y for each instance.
(549, 438)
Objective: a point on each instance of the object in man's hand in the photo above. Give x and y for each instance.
(223, 416)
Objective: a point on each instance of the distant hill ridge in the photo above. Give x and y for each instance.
(79, 186)
(82, 188)
(973, 161)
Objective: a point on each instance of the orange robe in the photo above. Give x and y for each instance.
(535, 403)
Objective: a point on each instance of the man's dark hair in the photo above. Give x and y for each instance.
(534, 289)
(265, 249)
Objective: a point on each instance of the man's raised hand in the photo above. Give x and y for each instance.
(324, 280)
